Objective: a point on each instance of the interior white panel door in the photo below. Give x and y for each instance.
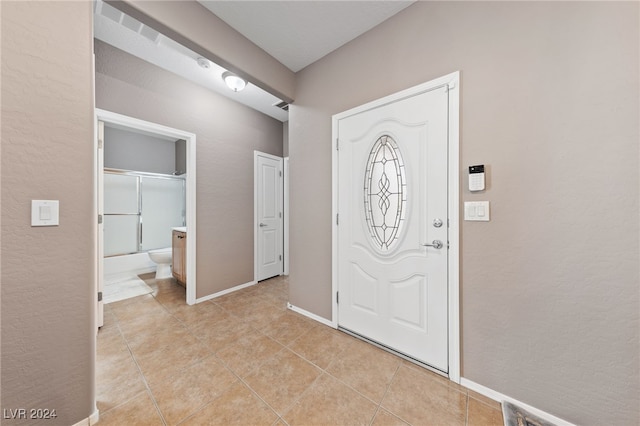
(392, 202)
(269, 221)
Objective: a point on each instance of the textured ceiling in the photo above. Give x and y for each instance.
(298, 33)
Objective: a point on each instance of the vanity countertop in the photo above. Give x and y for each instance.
(180, 229)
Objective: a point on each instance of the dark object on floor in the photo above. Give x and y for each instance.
(516, 416)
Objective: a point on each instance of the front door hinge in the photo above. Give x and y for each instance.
(337, 218)
(99, 219)
(280, 174)
(337, 297)
(280, 257)
(99, 296)
(337, 144)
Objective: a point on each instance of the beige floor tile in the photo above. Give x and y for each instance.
(168, 361)
(287, 327)
(118, 388)
(160, 285)
(238, 302)
(172, 299)
(144, 322)
(113, 367)
(281, 379)
(277, 284)
(320, 345)
(201, 313)
(133, 308)
(111, 344)
(117, 378)
(193, 388)
(418, 398)
(110, 322)
(480, 414)
(173, 344)
(367, 369)
(329, 402)
(249, 353)
(157, 338)
(485, 399)
(237, 406)
(435, 376)
(263, 313)
(274, 296)
(138, 411)
(385, 418)
(222, 333)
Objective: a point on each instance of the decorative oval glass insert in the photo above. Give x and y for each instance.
(385, 193)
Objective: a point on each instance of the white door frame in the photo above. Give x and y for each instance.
(281, 196)
(285, 230)
(452, 81)
(146, 126)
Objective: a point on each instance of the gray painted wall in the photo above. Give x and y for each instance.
(550, 292)
(227, 133)
(181, 157)
(48, 294)
(135, 151)
(285, 142)
(549, 102)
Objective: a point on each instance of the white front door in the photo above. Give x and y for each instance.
(392, 225)
(268, 215)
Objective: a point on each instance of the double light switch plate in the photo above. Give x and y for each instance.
(476, 211)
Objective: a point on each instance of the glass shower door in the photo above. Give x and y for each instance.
(163, 207)
(121, 214)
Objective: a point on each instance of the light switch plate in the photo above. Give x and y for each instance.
(476, 211)
(45, 212)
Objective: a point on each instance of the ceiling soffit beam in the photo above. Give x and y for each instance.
(195, 27)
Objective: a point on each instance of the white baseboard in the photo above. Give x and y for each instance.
(89, 421)
(311, 315)
(497, 396)
(227, 291)
(94, 418)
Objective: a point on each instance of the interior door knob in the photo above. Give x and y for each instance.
(262, 225)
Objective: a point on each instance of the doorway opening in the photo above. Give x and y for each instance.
(186, 182)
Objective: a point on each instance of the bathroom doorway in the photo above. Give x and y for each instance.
(182, 181)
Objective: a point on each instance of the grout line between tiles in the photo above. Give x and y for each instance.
(144, 379)
(386, 391)
(466, 417)
(238, 317)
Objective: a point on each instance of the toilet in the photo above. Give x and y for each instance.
(162, 257)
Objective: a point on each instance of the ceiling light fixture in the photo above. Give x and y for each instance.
(234, 82)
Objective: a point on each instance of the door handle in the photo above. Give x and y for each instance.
(262, 225)
(436, 244)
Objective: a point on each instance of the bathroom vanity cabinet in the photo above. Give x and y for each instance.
(179, 264)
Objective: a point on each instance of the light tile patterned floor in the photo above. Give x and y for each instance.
(245, 359)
